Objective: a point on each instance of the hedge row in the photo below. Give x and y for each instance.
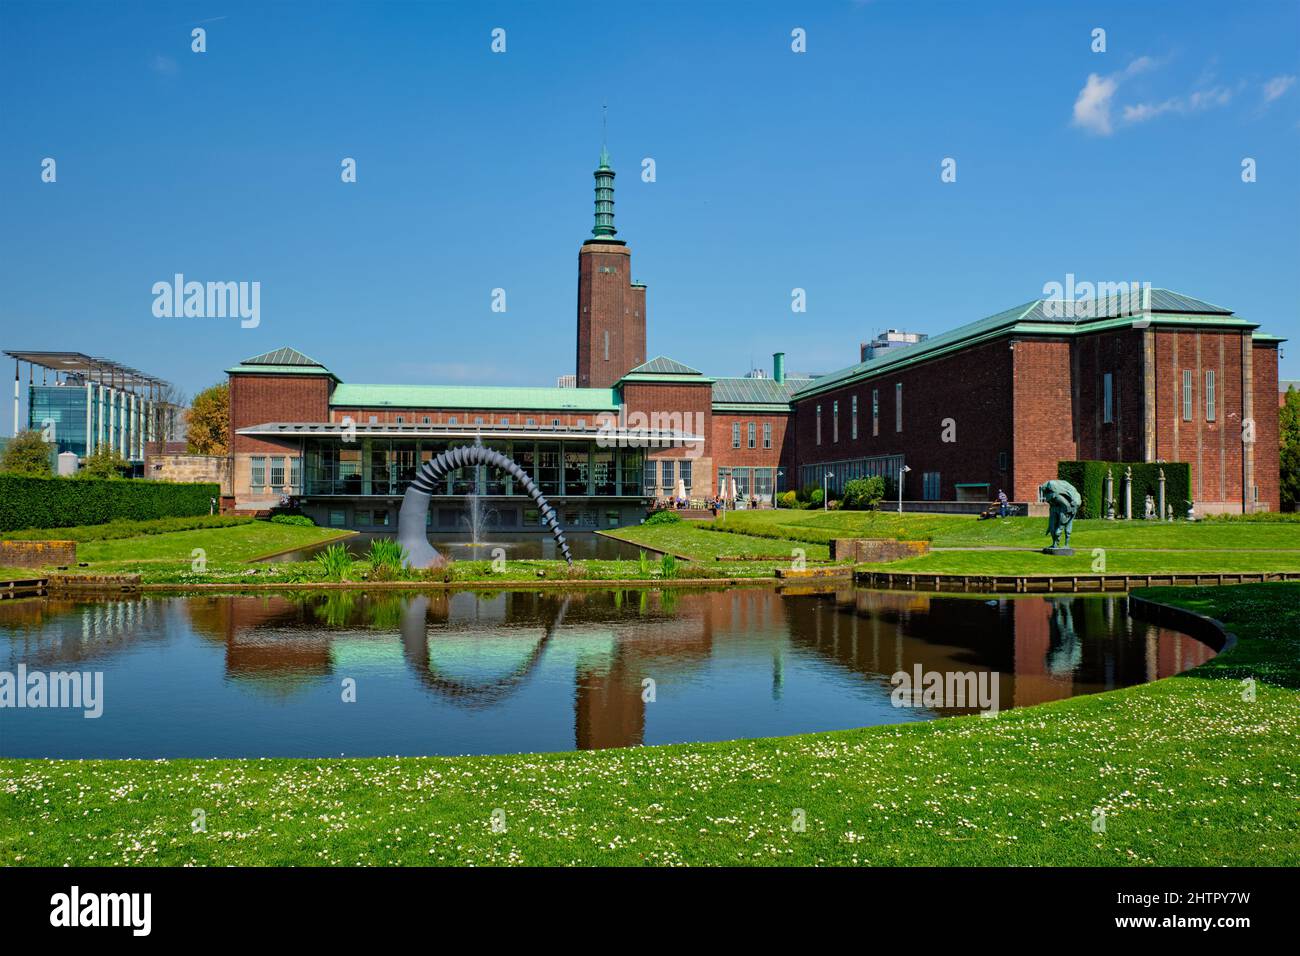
(1090, 478)
(67, 502)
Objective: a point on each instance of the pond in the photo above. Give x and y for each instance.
(517, 546)
(346, 673)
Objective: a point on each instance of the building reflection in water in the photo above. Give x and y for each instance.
(518, 656)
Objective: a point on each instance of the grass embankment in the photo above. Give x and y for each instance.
(166, 548)
(1187, 770)
(687, 539)
(1012, 546)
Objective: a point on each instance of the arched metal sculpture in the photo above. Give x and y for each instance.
(411, 526)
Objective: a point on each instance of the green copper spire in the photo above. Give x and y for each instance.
(604, 198)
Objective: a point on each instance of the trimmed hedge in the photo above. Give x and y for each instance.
(68, 502)
(1090, 478)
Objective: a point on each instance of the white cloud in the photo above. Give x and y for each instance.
(1277, 86)
(1092, 105)
(1183, 105)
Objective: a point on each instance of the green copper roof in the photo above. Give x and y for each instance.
(520, 398)
(1040, 317)
(282, 356)
(604, 228)
(754, 391)
(663, 365)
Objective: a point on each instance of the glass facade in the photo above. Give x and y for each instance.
(887, 466)
(381, 466)
(63, 411)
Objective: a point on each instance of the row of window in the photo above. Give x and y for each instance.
(262, 479)
(1110, 396)
(478, 420)
(669, 471)
(751, 433)
(853, 415)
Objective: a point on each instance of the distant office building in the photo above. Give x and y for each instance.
(889, 339)
(82, 403)
(567, 381)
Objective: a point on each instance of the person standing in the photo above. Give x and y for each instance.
(1003, 506)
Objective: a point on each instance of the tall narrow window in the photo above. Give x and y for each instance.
(735, 434)
(1107, 398)
(819, 424)
(767, 434)
(1209, 395)
(875, 411)
(898, 407)
(257, 472)
(666, 471)
(750, 439)
(606, 346)
(835, 422)
(1187, 394)
(853, 419)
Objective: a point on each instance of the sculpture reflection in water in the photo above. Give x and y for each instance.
(415, 648)
(412, 520)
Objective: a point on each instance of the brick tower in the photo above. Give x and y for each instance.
(611, 307)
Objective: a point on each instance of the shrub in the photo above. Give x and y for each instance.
(1089, 477)
(27, 454)
(67, 502)
(863, 493)
(663, 517)
(334, 563)
(299, 520)
(106, 463)
(788, 499)
(816, 499)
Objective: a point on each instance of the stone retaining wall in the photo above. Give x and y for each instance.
(38, 554)
(874, 550)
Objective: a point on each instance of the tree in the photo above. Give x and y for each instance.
(863, 493)
(106, 462)
(27, 454)
(169, 414)
(208, 422)
(1289, 458)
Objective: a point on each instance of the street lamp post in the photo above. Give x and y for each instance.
(826, 492)
(776, 494)
(901, 472)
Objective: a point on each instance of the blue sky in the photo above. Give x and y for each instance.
(775, 170)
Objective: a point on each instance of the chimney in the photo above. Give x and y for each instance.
(778, 367)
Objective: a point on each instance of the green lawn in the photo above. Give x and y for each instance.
(17, 574)
(955, 531)
(227, 545)
(687, 539)
(1187, 770)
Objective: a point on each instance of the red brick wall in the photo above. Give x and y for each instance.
(1119, 354)
(1213, 448)
(1044, 413)
(608, 303)
(694, 403)
(973, 387)
(257, 399)
(724, 456)
(1267, 436)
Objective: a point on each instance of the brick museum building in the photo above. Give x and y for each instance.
(994, 404)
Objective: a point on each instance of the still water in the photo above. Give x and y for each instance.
(453, 673)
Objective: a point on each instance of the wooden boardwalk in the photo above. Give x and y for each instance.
(1055, 583)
